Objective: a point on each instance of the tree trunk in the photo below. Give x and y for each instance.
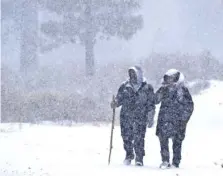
(29, 36)
(89, 40)
(89, 58)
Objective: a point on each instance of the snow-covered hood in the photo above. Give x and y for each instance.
(139, 75)
(171, 72)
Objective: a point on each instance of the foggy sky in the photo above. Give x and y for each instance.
(169, 26)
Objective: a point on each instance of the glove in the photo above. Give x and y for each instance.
(150, 120)
(150, 123)
(114, 104)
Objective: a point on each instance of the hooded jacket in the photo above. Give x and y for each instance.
(176, 104)
(136, 99)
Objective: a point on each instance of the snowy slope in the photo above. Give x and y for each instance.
(50, 150)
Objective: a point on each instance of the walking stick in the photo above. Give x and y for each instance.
(112, 128)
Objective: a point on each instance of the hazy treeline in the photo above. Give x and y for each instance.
(65, 93)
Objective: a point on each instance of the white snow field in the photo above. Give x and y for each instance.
(52, 150)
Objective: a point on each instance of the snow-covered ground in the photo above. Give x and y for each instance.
(50, 150)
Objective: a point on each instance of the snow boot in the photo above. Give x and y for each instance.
(139, 161)
(128, 158)
(174, 165)
(165, 165)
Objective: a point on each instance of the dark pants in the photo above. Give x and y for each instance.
(133, 134)
(177, 146)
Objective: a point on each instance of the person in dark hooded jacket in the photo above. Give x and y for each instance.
(175, 111)
(137, 100)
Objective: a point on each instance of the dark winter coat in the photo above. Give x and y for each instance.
(175, 110)
(136, 103)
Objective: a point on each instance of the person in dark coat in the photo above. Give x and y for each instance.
(175, 111)
(137, 100)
